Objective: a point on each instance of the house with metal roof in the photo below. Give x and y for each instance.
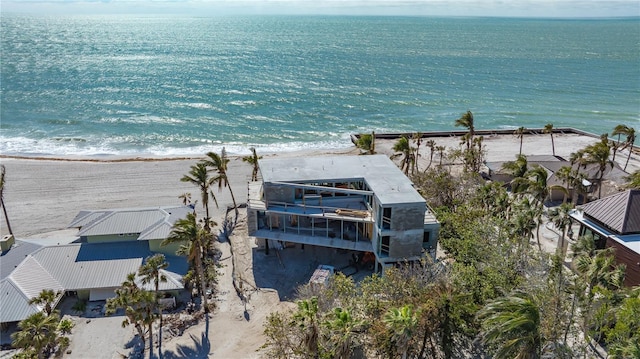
(149, 225)
(91, 270)
(614, 221)
(359, 203)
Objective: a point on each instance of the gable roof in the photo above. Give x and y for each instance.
(619, 212)
(148, 223)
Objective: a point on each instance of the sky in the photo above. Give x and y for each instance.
(498, 8)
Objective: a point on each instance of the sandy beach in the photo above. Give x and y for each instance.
(43, 196)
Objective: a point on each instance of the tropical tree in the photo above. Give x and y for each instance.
(466, 120)
(4, 209)
(431, 144)
(199, 176)
(404, 149)
(306, 318)
(565, 174)
(440, 150)
(402, 323)
(548, 128)
(599, 154)
(631, 138)
(633, 180)
(520, 134)
(46, 298)
(151, 272)
(623, 338)
(37, 334)
(618, 131)
(186, 198)
(195, 240)
(343, 333)
(417, 137)
(560, 218)
(511, 327)
(367, 142)
(219, 163)
(253, 161)
(138, 307)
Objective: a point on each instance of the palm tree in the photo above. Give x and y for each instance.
(560, 218)
(631, 138)
(4, 209)
(402, 323)
(253, 161)
(307, 320)
(511, 327)
(219, 163)
(404, 149)
(440, 150)
(38, 332)
(199, 176)
(418, 138)
(138, 308)
(150, 272)
(599, 154)
(431, 144)
(520, 134)
(466, 120)
(186, 198)
(46, 298)
(548, 128)
(188, 231)
(618, 131)
(343, 329)
(633, 180)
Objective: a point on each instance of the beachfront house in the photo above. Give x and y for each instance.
(357, 203)
(614, 221)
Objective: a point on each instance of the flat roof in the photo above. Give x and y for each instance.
(382, 176)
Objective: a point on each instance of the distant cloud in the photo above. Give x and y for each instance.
(513, 8)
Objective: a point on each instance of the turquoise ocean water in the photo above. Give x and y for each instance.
(173, 86)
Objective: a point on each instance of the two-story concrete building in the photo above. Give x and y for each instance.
(359, 203)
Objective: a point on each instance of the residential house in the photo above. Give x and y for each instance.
(358, 203)
(614, 221)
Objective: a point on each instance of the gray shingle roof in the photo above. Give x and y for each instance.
(619, 212)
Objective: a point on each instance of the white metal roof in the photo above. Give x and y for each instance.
(14, 303)
(382, 176)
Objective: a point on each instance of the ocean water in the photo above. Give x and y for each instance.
(173, 86)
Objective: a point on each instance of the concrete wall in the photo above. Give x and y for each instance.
(252, 221)
(279, 193)
(406, 244)
(407, 217)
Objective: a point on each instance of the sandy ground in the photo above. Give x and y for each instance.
(43, 196)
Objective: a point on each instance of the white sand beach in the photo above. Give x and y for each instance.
(42, 196)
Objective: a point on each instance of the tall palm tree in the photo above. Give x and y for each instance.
(431, 144)
(618, 131)
(548, 128)
(188, 231)
(520, 134)
(38, 332)
(306, 319)
(343, 329)
(598, 153)
(150, 272)
(631, 138)
(404, 149)
(219, 163)
(511, 327)
(402, 323)
(253, 161)
(418, 138)
(560, 218)
(46, 298)
(199, 176)
(4, 209)
(564, 174)
(466, 120)
(441, 150)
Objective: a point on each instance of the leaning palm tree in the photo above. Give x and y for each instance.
(598, 153)
(548, 128)
(199, 176)
(402, 323)
(195, 240)
(253, 161)
(404, 149)
(4, 209)
(631, 138)
(520, 134)
(219, 163)
(466, 120)
(618, 131)
(150, 272)
(511, 327)
(46, 298)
